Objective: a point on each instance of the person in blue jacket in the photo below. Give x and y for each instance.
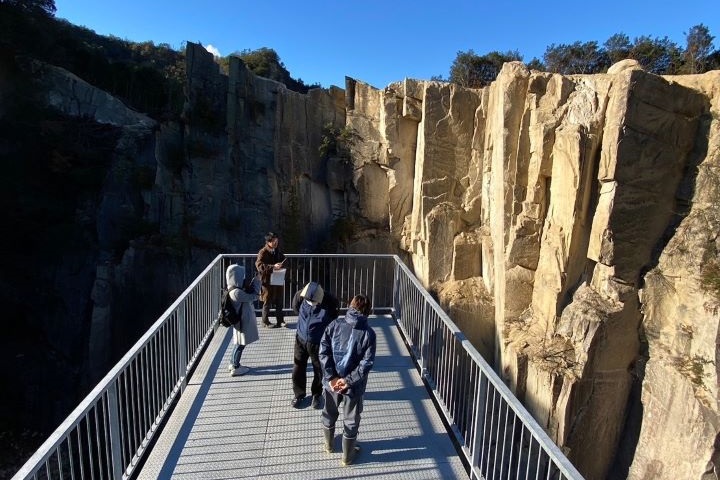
(315, 309)
(347, 354)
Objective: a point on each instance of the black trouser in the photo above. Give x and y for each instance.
(303, 351)
(273, 297)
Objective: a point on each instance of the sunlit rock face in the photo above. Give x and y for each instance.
(569, 225)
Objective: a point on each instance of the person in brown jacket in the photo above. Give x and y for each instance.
(269, 259)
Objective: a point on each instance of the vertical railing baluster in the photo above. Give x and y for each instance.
(480, 395)
(106, 437)
(504, 436)
(114, 417)
(372, 298)
(89, 446)
(143, 393)
(130, 406)
(59, 461)
(423, 340)
(512, 445)
(80, 452)
(520, 452)
(71, 456)
(396, 291)
(182, 346)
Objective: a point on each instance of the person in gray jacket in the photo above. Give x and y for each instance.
(347, 354)
(245, 332)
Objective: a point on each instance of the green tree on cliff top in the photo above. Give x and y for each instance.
(34, 6)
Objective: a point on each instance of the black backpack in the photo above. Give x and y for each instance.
(227, 316)
(331, 305)
(248, 286)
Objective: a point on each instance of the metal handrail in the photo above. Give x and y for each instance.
(109, 431)
(107, 435)
(498, 437)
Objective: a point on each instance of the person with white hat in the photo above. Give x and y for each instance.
(315, 309)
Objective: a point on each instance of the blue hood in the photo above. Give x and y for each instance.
(354, 318)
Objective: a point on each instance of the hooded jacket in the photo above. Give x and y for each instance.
(347, 350)
(313, 318)
(246, 331)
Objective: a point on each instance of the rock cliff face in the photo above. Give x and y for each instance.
(568, 224)
(171, 195)
(248, 160)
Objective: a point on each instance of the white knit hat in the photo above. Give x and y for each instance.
(312, 292)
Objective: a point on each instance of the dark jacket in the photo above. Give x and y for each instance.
(347, 350)
(312, 319)
(264, 262)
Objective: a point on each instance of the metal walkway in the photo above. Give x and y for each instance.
(224, 427)
(244, 427)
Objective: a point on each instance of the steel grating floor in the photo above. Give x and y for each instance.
(244, 427)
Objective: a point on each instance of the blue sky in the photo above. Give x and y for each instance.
(379, 42)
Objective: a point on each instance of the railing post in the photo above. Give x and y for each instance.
(182, 345)
(372, 297)
(424, 340)
(396, 291)
(478, 433)
(114, 421)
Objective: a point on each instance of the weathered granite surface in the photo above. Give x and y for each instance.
(569, 225)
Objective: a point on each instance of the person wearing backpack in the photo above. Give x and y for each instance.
(315, 309)
(245, 331)
(347, 354)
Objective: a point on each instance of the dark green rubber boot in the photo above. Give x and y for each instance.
(350, 450)
(329, 434)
